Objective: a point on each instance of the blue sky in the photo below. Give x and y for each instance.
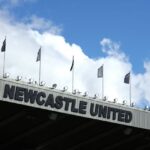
(110, 32)
(86, 22)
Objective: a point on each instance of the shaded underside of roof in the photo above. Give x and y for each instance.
(27, 128)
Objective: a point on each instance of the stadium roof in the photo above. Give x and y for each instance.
(27, 126)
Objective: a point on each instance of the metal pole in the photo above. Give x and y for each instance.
(130, 90)
(39, 71)
(102, 87)
(103, 82)
(4, 64)
(72, 79)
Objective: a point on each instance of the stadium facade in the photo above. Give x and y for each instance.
(42, 118)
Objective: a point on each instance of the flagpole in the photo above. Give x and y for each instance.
(3, 49)
(4, 65)
(39, 71)
(39, 59)
(103, 82)
(72, 79)
(102, 87)
(72, 69)
(130, 90)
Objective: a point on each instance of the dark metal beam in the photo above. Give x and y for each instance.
(123, 142)
(63, 136)
(96, 138)
(12, 118)
(144, 146)
(25, 134)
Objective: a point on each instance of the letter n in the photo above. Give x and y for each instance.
(9, 91)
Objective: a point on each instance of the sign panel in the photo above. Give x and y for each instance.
(55, 100)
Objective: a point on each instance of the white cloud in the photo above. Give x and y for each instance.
(112, 49)
(42, 24)
(24, 40)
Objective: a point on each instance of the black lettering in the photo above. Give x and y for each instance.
(102, 111)
(50, 101)
(82, 107)
(67, 101)
(19, 93)
(38, 98)
(128, 117)
(112, 111)
(73, 108)
(9, 91)
(59, 102)
(109, 112)
(30, 95)
(115, 110)
(121, 116)
(93, 111)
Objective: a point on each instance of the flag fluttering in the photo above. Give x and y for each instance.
(3, 48)
(39, 55)
(72, 65)
(127, 78)
(100, 72)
